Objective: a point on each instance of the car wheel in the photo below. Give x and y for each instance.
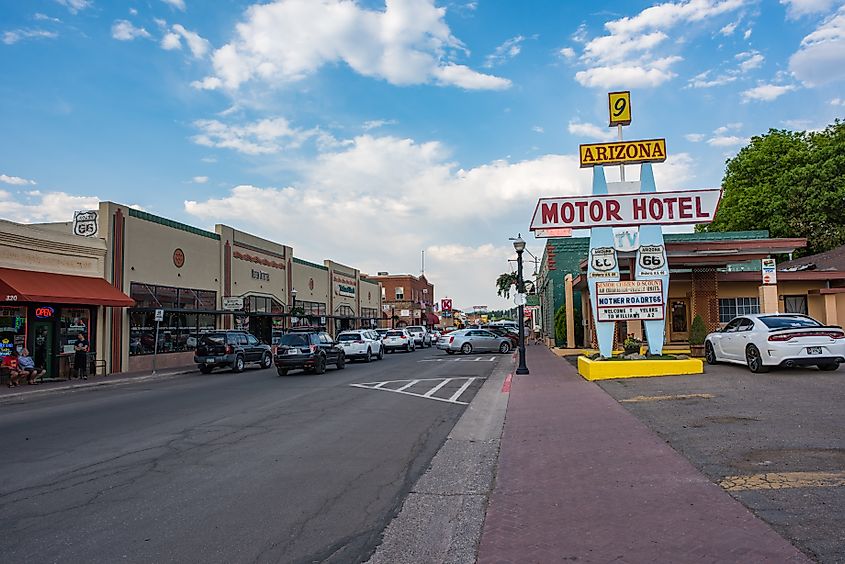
(238, 365)
(450, 352)
(754, 360)
(341, 362)
(206, 369)
(466, 348)
(320, 366)
(266, 361)
(282, 371)
(505, 348)
(710, 353)
(369, 357)
(829, 366)
(381, 353)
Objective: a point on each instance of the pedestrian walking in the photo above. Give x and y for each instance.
(80, 357)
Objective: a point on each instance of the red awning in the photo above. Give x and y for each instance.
(29, 286)
(432, 319)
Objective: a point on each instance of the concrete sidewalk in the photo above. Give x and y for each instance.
(23, 391)
(581, 479)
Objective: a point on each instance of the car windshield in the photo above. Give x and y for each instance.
(788, 322)
(394, 333)
(213, 339)
(349, 337)
(294, 340)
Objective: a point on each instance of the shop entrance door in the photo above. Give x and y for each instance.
(262, 328)
(43, 351)
(679, 320)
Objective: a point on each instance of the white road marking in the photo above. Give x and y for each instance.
(426, 395)
(477, 359)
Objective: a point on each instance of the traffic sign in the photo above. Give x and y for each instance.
(519, 299)
(159, 315)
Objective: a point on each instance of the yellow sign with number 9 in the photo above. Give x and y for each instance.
(619, 104)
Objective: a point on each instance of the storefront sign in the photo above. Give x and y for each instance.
(233, 304)
(555, 232)
(770, 275)
(11, 297)
(660, 208)
(85, 223)
(619, 108)
(260, 275)
(626, 240)
(44, 312)
(629, 300)
(446, 304)
(344, 286)
(178, 258)
(405, 313)
(623, 152)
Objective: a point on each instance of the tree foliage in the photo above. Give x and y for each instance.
(504, 283)
(789, 183)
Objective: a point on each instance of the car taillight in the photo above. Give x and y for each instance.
(404, 337)
(359, 342)
(789, 336)
(229, 349)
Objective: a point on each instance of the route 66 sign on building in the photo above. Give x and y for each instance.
(653, 258)
(603, 259)
(85, 223)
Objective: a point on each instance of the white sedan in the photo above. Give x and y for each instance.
(364, 344)
(762, 341)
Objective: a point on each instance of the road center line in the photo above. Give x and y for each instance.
(462, 389)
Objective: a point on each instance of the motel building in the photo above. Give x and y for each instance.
(715, 275)
(106, 274)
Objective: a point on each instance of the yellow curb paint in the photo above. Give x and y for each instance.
(613, 369)
(667, 398)
(783, 480)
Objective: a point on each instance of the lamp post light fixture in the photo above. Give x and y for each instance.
(519, 246)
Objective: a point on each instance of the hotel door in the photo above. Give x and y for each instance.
(678, 320)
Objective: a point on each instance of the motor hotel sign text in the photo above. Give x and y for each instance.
(620, 210)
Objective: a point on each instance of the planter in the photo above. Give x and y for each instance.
(696, 351)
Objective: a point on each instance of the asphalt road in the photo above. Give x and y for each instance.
(776, 442)
(226, 467)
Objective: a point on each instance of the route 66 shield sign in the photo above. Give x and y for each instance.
(652, 257)
(603, 258)
(85, 223)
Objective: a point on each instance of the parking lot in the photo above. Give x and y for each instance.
(775, 441)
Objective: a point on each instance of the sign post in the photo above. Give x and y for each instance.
(159, 317)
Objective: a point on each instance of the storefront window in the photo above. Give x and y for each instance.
(73, 322)
(312, 309)
(177, 333)
(167, 297)
(12, 329)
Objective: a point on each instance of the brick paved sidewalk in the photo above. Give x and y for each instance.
(581, 479)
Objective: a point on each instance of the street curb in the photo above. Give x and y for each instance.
(442, 517)
(92, 384)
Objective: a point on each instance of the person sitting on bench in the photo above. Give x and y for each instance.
(26, 367)
(10, 363)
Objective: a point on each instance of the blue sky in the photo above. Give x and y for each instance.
(368, 131)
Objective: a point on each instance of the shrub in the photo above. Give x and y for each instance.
(698, 332)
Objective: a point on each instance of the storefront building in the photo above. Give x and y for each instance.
(407, 299)
(51, 290)
(715, 275)
(311, 286)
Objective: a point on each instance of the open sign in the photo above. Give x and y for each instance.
(44, 312)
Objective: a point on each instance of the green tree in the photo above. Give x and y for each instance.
(789, 183)
(504, 283)
(560, 325)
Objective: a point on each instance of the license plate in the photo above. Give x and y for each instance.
(293, 351)
(814, 350)
(209, 361)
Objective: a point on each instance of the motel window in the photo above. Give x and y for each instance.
(732, 307)
(400, 293)
(795, 304)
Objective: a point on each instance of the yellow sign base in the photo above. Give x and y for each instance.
(612, 369)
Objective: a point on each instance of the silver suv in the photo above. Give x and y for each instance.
(422, 337)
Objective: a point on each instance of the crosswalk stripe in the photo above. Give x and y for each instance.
(408, 385)
(437, 387)
(462, 389)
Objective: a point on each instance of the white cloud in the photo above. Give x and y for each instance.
(198, 45)
(75, 6)
(538, 129)
(15, 180)
(178, 4)
(377, 123)
(199, 179)
(797, 8)
(504, 52)
(261, 137)
(837, 102)
(703, 80)
(727, 127)
(171, 41)
(589, 130)
(133, 12)
(35, 206)
(747, 33)
(124, 30)
(13, 36)
(766, 92)
(729, 28)
(45, 18)
(623, 75)
(695, 137)
(567, 52)
(749, 61)
(726, 141)
(407, 43)
(821, 57)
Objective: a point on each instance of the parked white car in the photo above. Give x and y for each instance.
(398, 339)
(363, 344)
(763, 341)
(422, 338)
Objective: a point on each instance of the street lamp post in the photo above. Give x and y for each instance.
(293, 304)
(519, 246)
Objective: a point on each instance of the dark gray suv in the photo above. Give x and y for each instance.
(231, 348)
